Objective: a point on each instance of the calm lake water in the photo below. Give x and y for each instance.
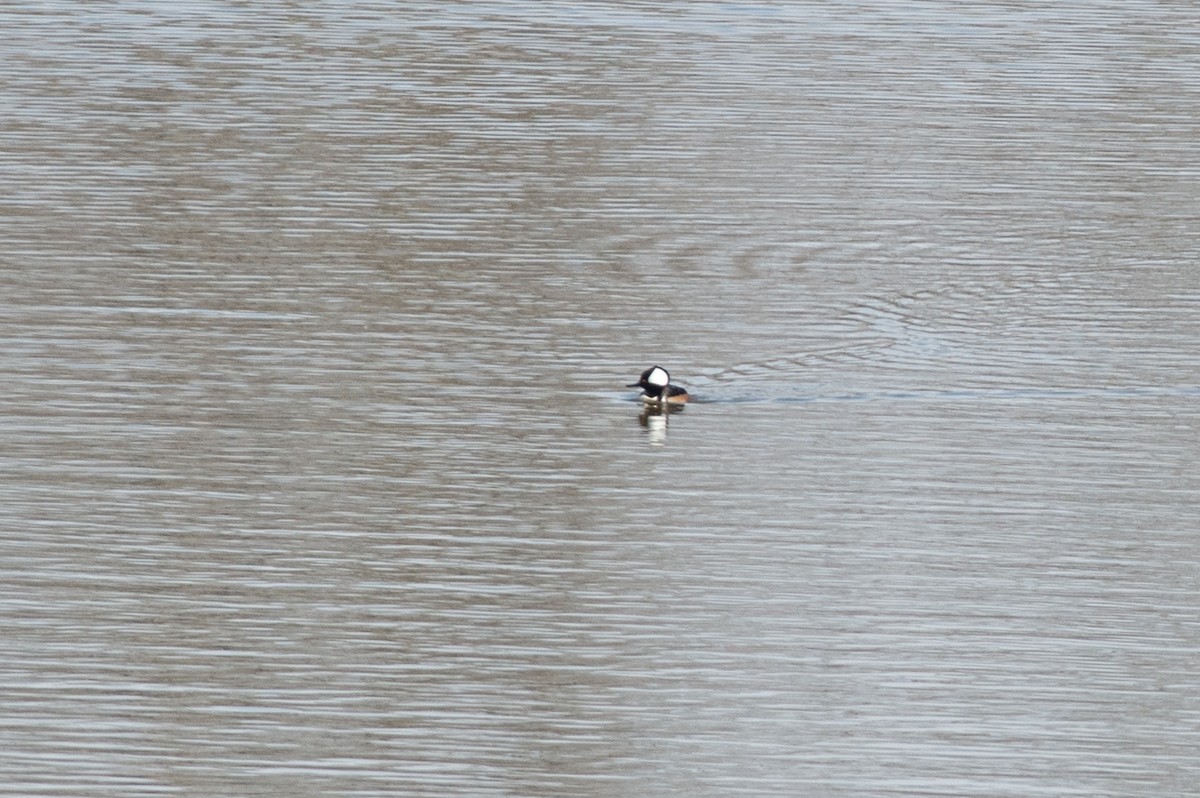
(319, 478)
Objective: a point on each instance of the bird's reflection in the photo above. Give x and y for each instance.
(656, 419)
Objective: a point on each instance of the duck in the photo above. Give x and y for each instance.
(657, 389)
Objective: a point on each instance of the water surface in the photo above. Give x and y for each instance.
(319, 474)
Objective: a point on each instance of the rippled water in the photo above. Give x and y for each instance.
(319, 475)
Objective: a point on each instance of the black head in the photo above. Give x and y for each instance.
(653, 380)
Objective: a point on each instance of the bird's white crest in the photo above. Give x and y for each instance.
(658, 376)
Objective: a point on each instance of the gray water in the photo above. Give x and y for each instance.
(319, 477)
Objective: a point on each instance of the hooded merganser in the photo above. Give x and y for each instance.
(657, 388)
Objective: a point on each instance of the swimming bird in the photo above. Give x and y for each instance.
(657, 388)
